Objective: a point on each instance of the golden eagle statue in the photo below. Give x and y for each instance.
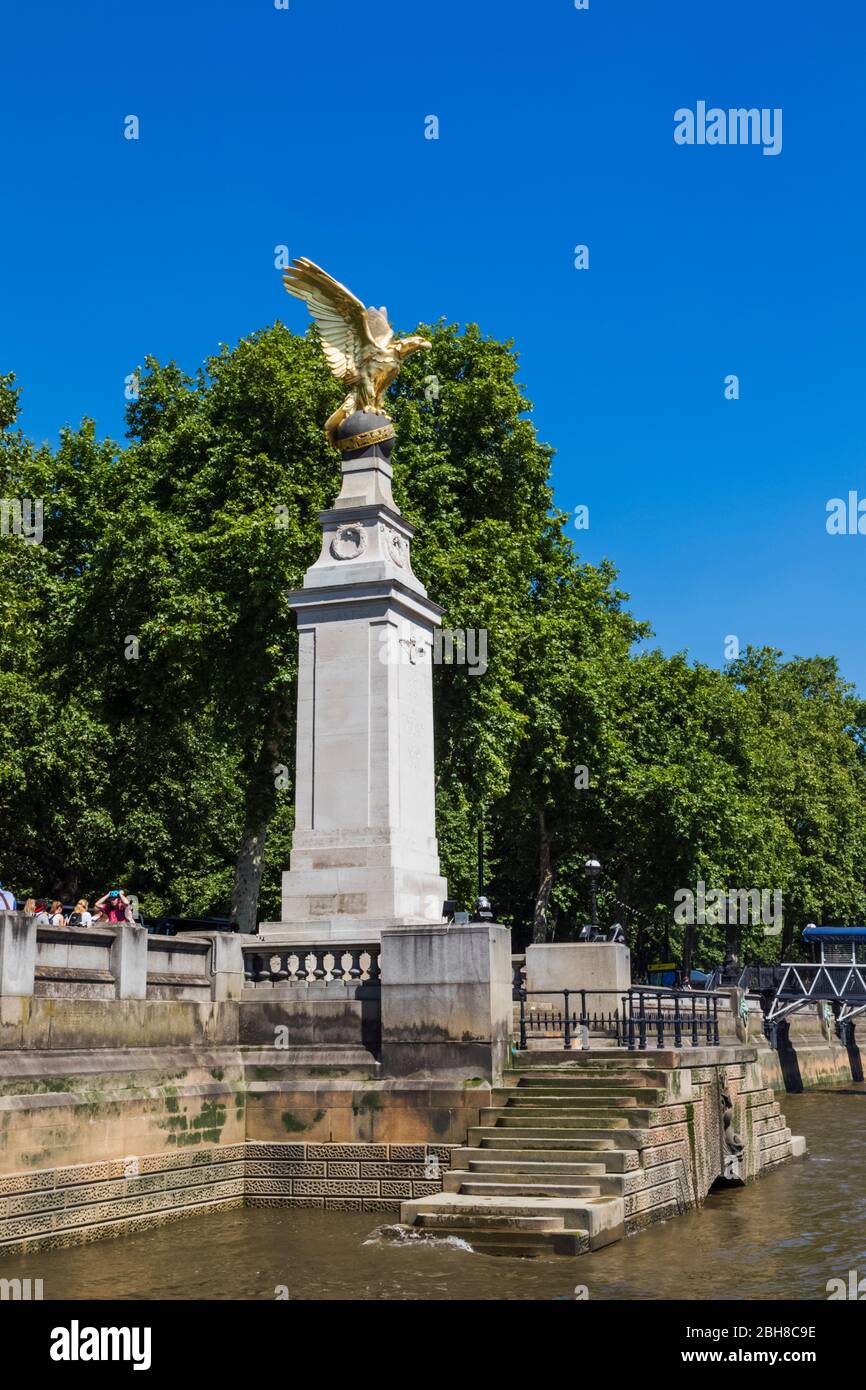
(358, 343)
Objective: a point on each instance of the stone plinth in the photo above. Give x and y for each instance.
(364, 851)
(129, 961)
(17, 954)
(590, 965)
(446, 1000)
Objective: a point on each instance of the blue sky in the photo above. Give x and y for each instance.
(305, 126)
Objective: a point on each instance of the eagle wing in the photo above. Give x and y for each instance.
(340, 318)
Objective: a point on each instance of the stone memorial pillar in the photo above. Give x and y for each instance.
(364, 851)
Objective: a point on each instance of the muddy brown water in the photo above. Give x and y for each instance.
(783, 1237)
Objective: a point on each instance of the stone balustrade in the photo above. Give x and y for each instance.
(307, 965)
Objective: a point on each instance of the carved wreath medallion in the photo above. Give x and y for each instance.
(397, 547)
(349, 542)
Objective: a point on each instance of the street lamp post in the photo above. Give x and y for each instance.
(593, 870)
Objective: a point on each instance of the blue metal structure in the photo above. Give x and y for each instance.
(837, 978)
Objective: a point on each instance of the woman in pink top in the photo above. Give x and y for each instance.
(113, 905)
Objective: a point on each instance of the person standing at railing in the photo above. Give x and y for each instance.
(113, 905)
(80, 915)
(8, 901)
(55, 917)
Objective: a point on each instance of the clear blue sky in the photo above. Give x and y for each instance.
(306, 127)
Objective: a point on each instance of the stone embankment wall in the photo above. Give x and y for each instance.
(141, 1080)
(76, 1203)
(808, 1052)
(728, 1126)
(103, 1141)
(120, 1142)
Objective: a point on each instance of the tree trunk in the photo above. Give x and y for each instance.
(260, 802)
(688, 950)
(545, 883)
(248, 878)
(64, 883)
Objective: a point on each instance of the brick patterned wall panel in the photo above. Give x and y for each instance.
(326, 1187)
(160, 1163)
(97, 1172)
(664, 1153)
(288, 1170)
(310, 1203)
(17, 1227)
(393, 1170)
(26, 1182)
(418, 1152)
(282, 1152)
(347, 1151)
(662, 1195)
(442, 1151)
(31, 1203)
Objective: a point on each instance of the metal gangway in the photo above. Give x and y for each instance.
(836, 975)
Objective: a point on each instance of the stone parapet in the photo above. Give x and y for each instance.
(115, 962)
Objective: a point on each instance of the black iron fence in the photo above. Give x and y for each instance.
(636, 1018)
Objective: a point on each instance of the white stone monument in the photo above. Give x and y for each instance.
(364, 853)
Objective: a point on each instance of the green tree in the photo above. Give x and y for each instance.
(148, 663)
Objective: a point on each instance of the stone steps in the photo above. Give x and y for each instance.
(604, 1160)
(579, 1063)
(581, 1097)
(571, 1137)
(477, 1161)
(601, 1219)
(606, 1184)
(476, 1185)
(550, 1121)
(533, 1114)
(569, 1081)
(449, 1220)
(523, 1245)
(593, 1143)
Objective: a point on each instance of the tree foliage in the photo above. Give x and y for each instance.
(148, 663)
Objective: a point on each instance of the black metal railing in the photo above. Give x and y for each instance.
(667, 1016)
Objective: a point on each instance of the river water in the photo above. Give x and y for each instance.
(783, 1237)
